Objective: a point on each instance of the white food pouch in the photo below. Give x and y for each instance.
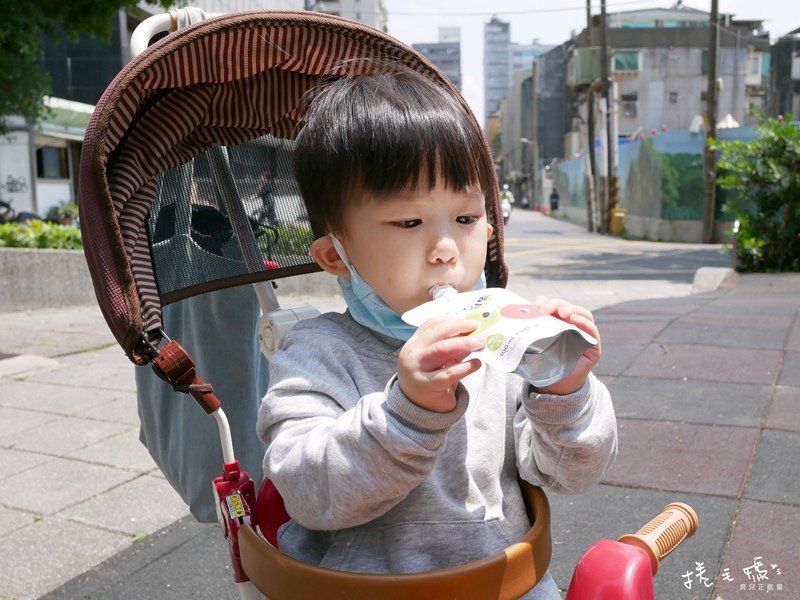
(520, 338)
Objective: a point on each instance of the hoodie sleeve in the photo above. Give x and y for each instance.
(566, 443)
(344, 445)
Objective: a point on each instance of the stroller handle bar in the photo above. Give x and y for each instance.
(163, 22)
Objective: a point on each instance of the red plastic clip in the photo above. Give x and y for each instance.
(174, 365)
(236, 500)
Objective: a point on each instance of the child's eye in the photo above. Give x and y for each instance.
(409, 223)
(467, 219)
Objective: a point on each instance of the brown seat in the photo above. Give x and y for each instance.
(506, 575)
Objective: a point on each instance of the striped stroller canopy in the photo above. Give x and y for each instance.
(186, 183)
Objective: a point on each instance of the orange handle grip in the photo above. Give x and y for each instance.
(663, 534)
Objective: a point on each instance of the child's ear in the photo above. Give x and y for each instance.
(489, 231)
(326, 256)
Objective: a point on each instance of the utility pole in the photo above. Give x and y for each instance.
(709, 156)
(534, 146)
(590, 179)
(604, 196)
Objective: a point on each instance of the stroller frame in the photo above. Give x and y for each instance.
(147, 123)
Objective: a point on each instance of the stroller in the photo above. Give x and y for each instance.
(171, 207)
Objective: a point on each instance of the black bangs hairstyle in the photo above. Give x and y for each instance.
(381, 133)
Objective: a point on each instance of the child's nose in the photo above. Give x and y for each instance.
(444, 249)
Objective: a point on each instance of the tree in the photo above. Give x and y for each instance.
(23, 82)
(765, 173)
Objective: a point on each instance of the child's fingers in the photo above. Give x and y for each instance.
(441, 328)
(549, 305)
(451, 374)
(448, 351)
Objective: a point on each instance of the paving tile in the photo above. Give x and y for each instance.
(146, 569)
(118, 406)
(790, 373)
(747, 304)
(775, 476)
(22, 366)
(13, 462)
(707, 402)
(749, 320)
(768, 283)
(740, 336)
(663, 306)
(141, 506)
(630, 332)
(10, 520)
(706, 363)
(50, 552)
(60, 435)
(682, 457)
(606, 315)
(54, 331)
(13, 421)
(793, 342)
(616, 358)
(106, 368)
(607, 512)
(57, 484)
(784, 413)
(53, 398)
(122, 450)
(768, 531)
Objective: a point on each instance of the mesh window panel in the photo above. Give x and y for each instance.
(231, 212)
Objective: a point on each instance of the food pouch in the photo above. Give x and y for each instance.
(520, 337)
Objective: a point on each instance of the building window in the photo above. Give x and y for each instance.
(704, 68)
(630, 104)
(51, 163)
(673, 97)
(627, 61)
(755, 64)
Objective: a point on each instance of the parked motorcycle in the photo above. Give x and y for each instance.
(9, 215)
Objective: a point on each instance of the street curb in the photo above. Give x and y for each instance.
(709, 279)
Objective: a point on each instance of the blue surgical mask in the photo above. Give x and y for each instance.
(367, 308)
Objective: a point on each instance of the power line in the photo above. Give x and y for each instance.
(512, 12)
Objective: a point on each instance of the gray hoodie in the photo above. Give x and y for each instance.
(374, 483)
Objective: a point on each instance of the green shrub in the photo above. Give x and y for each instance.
(40, 234)
(286, 240)
(765, 173)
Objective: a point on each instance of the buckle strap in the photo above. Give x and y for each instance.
(174, 365)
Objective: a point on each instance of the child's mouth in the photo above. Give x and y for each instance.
(438, 288)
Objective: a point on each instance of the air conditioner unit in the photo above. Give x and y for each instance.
(583, 67)
(629, 108)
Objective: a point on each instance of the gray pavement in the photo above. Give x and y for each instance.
(704, 370)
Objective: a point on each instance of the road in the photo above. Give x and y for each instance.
(556, 258)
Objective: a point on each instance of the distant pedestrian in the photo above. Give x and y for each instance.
(554, 201)
(267, 198)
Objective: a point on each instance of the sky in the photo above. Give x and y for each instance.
(548, 21)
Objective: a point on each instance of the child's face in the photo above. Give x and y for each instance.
(405, 243)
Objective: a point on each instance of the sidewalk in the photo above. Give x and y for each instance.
(707, 393)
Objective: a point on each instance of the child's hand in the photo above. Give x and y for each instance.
(429, 365)
(583, 320)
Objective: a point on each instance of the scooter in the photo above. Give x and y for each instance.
(9, 215)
